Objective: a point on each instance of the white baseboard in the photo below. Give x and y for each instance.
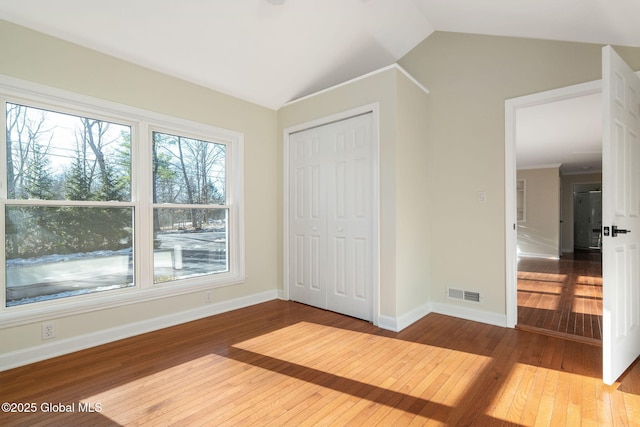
(536, 255)
(469, 313)
(396, 324)
(57, 348)
(387, 322)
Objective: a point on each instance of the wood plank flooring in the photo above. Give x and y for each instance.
(562, 297)
(286, 364)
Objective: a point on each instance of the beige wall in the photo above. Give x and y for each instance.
(539, 234)
(469, 78)
(32, 56)
(447, 238)
(413, 200)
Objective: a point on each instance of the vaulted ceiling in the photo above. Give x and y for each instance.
(270, 54)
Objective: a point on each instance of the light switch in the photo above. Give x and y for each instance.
(482, 196)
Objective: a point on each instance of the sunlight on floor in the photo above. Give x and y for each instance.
(194, 373)
(395, 365)
(324, 365)
(542, 277)
(525, 380)
(586, 290)
(586, 305)
(551, 301)
(540, 287)
(595, 281)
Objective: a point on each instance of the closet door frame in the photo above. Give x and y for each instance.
(374, 110)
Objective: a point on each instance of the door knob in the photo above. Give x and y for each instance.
(340, 229)
(615, 231)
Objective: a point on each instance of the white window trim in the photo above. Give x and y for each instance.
(142, 123)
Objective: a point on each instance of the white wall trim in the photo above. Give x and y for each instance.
(362, 77)
(413, 316)
(389, 323)
(413, 79)
(511, 241)
(468, 313)
(396, 324)
(65, 346)
(538, 255)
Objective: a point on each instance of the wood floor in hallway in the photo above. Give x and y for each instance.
(562, 297)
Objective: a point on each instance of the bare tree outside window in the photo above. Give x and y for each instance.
(52, 158)
(190, 236)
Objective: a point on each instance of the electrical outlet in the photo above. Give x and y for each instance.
(48, 330)
(208, 297)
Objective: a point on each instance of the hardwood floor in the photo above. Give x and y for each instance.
(562, 297)
(285, 364)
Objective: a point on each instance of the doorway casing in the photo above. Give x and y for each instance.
(511, 232)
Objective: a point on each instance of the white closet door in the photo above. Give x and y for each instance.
(307, 246)
(331, 217)
(349, 217)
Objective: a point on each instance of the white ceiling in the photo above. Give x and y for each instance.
(271, 54)
(567, 132)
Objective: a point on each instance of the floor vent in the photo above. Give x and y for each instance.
(463, 295)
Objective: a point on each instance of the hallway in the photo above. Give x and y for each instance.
(562, 297)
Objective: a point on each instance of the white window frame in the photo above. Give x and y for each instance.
(142, 123)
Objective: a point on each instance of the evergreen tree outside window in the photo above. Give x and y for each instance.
(65, 233)
(105, 204)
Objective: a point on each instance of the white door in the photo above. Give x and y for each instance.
(331, 217)
(349, 217)
(621, 210)
(307, 233)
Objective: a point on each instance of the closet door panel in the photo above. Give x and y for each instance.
(308, 226)
(349, 217)
(331, 217)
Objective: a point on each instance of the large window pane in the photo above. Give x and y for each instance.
(55, 252)
(55, 156)
(189, 243)
(188, 171)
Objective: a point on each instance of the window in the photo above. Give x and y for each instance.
(104, 203)
(64, 235)
(189, 214)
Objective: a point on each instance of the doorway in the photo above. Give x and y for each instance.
(620, 331)
(561, 295)
(512, 107)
